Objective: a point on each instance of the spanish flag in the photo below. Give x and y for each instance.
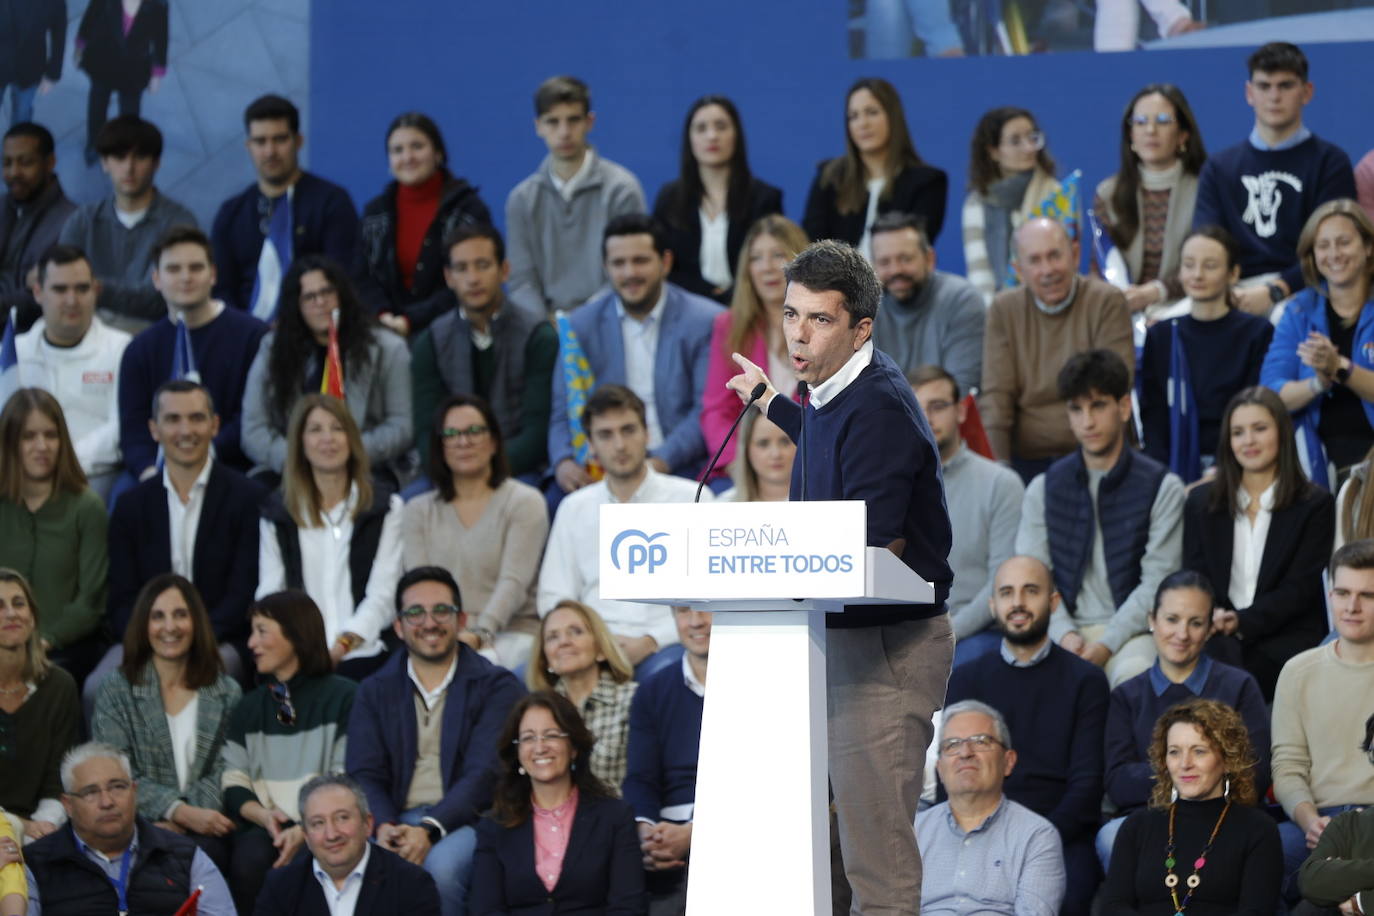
(332, 381)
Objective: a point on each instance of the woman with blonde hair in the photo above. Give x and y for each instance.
(762, 470)
(576, 655)
(334, 532)
(1201, 847)
(1355, 505)
(752, 326)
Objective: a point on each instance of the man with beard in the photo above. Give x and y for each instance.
(927, 316)
(428, 774)
(1057, 702)
(32, 212)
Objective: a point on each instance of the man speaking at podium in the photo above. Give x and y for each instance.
(862, 436)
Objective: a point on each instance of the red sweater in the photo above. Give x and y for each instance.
(416, 208)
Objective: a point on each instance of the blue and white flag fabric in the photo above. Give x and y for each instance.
(1109, 260)
(1185, 456)
(274, 260)
(9, 361)
(183, 357)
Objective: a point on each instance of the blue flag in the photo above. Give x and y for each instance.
(183, 357)
(1185, 459)
(274, 260)
(9, 362)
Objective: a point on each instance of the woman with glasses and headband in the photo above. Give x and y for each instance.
(334, 533)
(1338, 874)
(483, 526)
(1146, 208)
(290, 727)
(168, 709)
(291, 363)
(1010, 173)
(1201, 847)
(556, 839)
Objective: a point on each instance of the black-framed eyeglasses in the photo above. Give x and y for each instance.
(286, 711)
(950, 747)
(1160, 119)
(440, 613)
(470, 433)
(531, 738)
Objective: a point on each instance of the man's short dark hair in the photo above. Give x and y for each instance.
(181, 386)
(46, 144)
(1100, 371)
(831, 265)
(181, 235)
(635, 224)
(561, 90)
(924, 375)
(428, 574)
(1278, 57)
(898, 220)
(129, 134)
(1357, 555)
(272, 108)
(60, 255)
(464, 232)
(608, 398)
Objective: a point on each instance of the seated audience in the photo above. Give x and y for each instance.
(75, 356)
(198, 519)
(428, 770)
(1146, 208)
(284, 214)
(401, 229)
(576, 656)
(1263, 189)
(751, 326)
(660, 783)
(879, 172)
(223, 342)
(649, 336)
(1203, 819)
(118, 232)
(483, 526)
(168, 709)
(292, 726)
(1339, 872)
(981, 850)
(714, 202)
(1107, 519)
(1030, 334)
(1261, 533)
(1193, 364)
(1010, 175)
(319, 311)
(526, 854)
(762, 471)
(615, 425)
(53, 529)
(927, 317)
(1319, 771)
(17, 892)
(555, 217)
(334, 533)
(1355, 505)
(1321, 361)
(1180, 623)
(32, 212)
(113, 859)
(39, 711)
(482, 344)
(984, 500)
(1059, 768)
(344, 874)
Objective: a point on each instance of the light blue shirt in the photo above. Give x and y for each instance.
(1040, 655)
(1302, 134)
(342, 902)
(215, 899)
(1194, 682)
(640, 337)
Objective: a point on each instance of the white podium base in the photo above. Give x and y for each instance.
(762, 764)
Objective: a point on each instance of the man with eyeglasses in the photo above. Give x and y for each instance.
(111, 860)
(423, 735)
(482, 343)
(1057, 702)
(981, 851)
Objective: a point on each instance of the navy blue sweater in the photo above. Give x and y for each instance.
(1057, 713)
(872, 442)
(224, 349)
(665, 737)
(1288, 185)
(1135, 708)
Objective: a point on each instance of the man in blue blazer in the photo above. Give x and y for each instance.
(648, 335)
(423, 731)
(344, 874)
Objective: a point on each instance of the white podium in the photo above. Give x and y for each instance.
(760, 835)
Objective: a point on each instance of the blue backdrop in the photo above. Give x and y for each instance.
(474, 68)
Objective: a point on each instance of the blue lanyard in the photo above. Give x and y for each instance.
(122, 885)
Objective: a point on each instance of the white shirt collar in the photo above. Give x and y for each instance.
(328, 883)
(689, 677)
(654, 315)
(197, 486)
(431, 696)
(1266, 498)
(569, 187)
(831, 387)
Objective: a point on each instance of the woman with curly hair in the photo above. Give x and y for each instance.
(1201, 847)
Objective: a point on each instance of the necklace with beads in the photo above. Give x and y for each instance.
(1171, 879)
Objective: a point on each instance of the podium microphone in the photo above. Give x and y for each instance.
(754, 395)
(801, 436)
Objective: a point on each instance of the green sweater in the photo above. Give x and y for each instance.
(61, 550)
(1342, 865)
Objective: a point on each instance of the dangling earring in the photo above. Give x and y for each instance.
(1226, 791)
(1173, 796)
(521, 771)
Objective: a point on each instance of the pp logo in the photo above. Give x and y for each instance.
(647, 555)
